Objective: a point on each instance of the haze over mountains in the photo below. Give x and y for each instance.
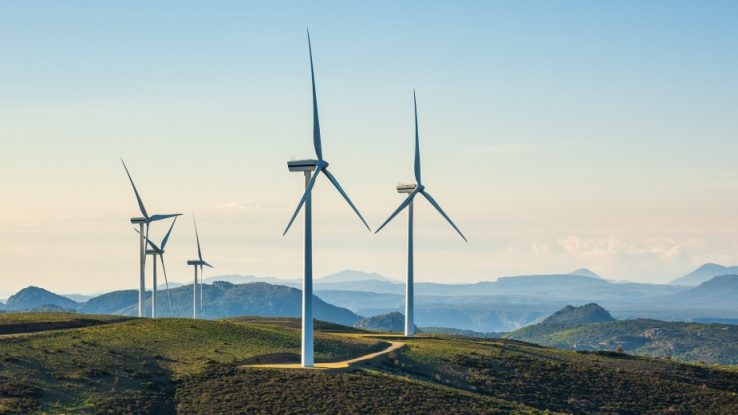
(490, 306)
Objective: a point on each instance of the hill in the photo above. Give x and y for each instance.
(572, 316)
(168, 366)
(720, 291)
(704, 273)
(33, 297)
(392, 322)
(711, 343)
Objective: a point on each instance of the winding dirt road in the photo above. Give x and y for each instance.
(332, 365)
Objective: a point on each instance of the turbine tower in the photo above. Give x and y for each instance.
(413, 189)
(312, 169)
(197, 263)
(154, 252)
(142, 222)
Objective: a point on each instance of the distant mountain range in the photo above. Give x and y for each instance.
(490, 306)
(221, 299)
(705, 273)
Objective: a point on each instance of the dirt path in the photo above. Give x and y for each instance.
(332, 365)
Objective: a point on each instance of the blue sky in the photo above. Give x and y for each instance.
(558, 135)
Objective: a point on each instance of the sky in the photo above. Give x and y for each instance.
(557, 135)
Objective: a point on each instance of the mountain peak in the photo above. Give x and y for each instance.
(31, 297)
(704, 273)
(349, 275)
(585, 272)
(572, 316)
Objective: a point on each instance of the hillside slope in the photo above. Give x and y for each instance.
(711, 343)
(33, 297)
(720, 291)
(168, 366)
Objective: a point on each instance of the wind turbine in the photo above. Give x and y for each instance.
(308, 167)
(154, 252)
(197, 263)
(143, 221)
(413, 189)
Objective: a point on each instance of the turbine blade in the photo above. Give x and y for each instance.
(138, 197)
(166, 281)
(316, 122)
(155, 218)
(417, 142)
(403, 205)
(151, 244)
(166, 237)
(438, 208)
(345, 196)
(206, 264)
(305, 195)
(197, 236)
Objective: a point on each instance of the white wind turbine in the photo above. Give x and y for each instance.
(413, 189)
(143, 236)
(158, 250)
(197, 263)
(308, 167)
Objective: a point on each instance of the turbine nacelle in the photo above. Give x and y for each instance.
(302, 165)
(406, 187)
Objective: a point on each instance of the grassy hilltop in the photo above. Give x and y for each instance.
(168, 366)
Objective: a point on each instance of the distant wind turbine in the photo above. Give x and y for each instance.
(143, 236)
(158, 250)
(414, 189)
(197, 263)
(308, 166)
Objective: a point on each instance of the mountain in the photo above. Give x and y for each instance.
(573, 316)
(704, 273)
(32, 297)
(244, 279)
(349, 275)
(720, 291)
(391, 322)
(51, 308)
(116, 302)
(711, 343)
(221, 299)
(79, 298)
(584, 272)
(361, 300)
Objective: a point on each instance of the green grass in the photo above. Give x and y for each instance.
(137, 360)
(14, 323)
(232, 391)
(710, 343)
(570, 381)
(166, 366)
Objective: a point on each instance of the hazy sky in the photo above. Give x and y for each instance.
(557, 135)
